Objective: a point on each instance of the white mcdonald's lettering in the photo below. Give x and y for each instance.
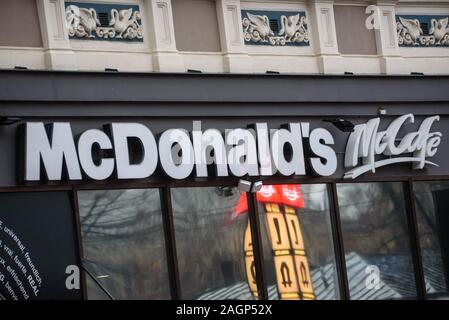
(367, 142)
(131, 151)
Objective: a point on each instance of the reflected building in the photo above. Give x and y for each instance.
(123, 242)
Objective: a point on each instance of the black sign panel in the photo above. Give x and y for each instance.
(38, 246)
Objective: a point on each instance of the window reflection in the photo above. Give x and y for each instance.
(297, 242)
(432, 208)
(213, 243)
(123, 243)
(376, 240)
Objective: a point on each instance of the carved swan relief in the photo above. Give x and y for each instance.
(439, 29)
(293, 28)
(81, 21)
(256, 29)
(410, 32)
(259, 26)
(122, 20)
(289, 26)
(123, 24)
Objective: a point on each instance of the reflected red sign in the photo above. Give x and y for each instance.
(282, 194)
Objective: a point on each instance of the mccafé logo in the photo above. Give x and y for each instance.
(366, 142)
(131, 150)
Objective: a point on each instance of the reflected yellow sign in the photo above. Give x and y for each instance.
(294, 230)
(292, 268)
(304, 279)
(286, 277)
(249, 263)
(248, 245)
(293, 278)
(278, 232)
(251, 275)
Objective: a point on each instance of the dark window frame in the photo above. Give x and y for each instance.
(337, 237)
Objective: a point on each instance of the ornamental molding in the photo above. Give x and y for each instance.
(422, 31)
(275, 28)
(95, 21)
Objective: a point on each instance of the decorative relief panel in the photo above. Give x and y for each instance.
(423, 31)
(99, 21)
(275, 28)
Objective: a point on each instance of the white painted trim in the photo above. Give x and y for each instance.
(368, 56)
(229, 18)
(21, 48)
(165, 56)
(202, 53)
(31, 58)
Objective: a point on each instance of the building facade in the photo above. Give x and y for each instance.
(330, 37)
(199, 149)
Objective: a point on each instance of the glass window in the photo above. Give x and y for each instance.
(376, 240)
(213, 243)
(123, 243)
(297, 242)
(432, 210)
